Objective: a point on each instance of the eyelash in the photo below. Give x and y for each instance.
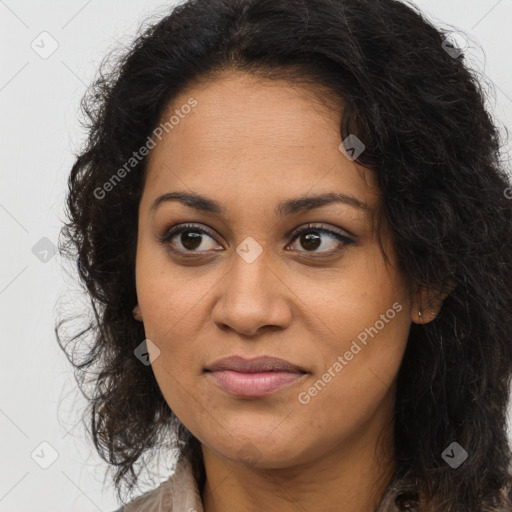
(171, 233)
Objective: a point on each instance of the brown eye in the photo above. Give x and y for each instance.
(310, 241)
(188, 238)
(312, 238)
(191, 240)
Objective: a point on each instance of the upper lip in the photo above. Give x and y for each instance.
(257, 364)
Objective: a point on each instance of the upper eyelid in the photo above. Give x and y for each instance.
(320, 227)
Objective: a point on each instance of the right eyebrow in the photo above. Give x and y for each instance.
(195, 201)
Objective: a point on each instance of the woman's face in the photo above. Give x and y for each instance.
(259, 153)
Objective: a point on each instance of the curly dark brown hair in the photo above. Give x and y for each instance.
(436, 149)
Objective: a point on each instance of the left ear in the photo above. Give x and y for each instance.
(137, 313)
(427, 302)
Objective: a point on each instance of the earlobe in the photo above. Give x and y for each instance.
(427, 303)
(423, 315)
(137, 313)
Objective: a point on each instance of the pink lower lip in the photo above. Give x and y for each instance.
(253, 385)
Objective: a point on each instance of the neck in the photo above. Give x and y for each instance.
(351, 477)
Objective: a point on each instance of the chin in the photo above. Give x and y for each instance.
(259, 450)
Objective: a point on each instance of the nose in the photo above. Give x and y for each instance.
(253, 298)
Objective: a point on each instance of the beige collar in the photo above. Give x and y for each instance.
(179, 493)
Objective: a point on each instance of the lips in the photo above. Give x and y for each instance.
(254, 378)
(259, 364)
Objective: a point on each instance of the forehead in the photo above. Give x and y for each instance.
(238, 111)
(248, 133)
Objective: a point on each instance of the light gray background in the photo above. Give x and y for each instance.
(39, 102)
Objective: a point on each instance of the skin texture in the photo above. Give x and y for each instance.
(250, 144)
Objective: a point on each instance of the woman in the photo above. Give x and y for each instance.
(292, 222)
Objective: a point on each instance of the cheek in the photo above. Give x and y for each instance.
(365, 300)
(355, 379)
(171, 299)
(169, 295)
(366, 315)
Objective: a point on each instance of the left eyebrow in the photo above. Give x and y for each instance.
(305, 203)
(288, 207)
